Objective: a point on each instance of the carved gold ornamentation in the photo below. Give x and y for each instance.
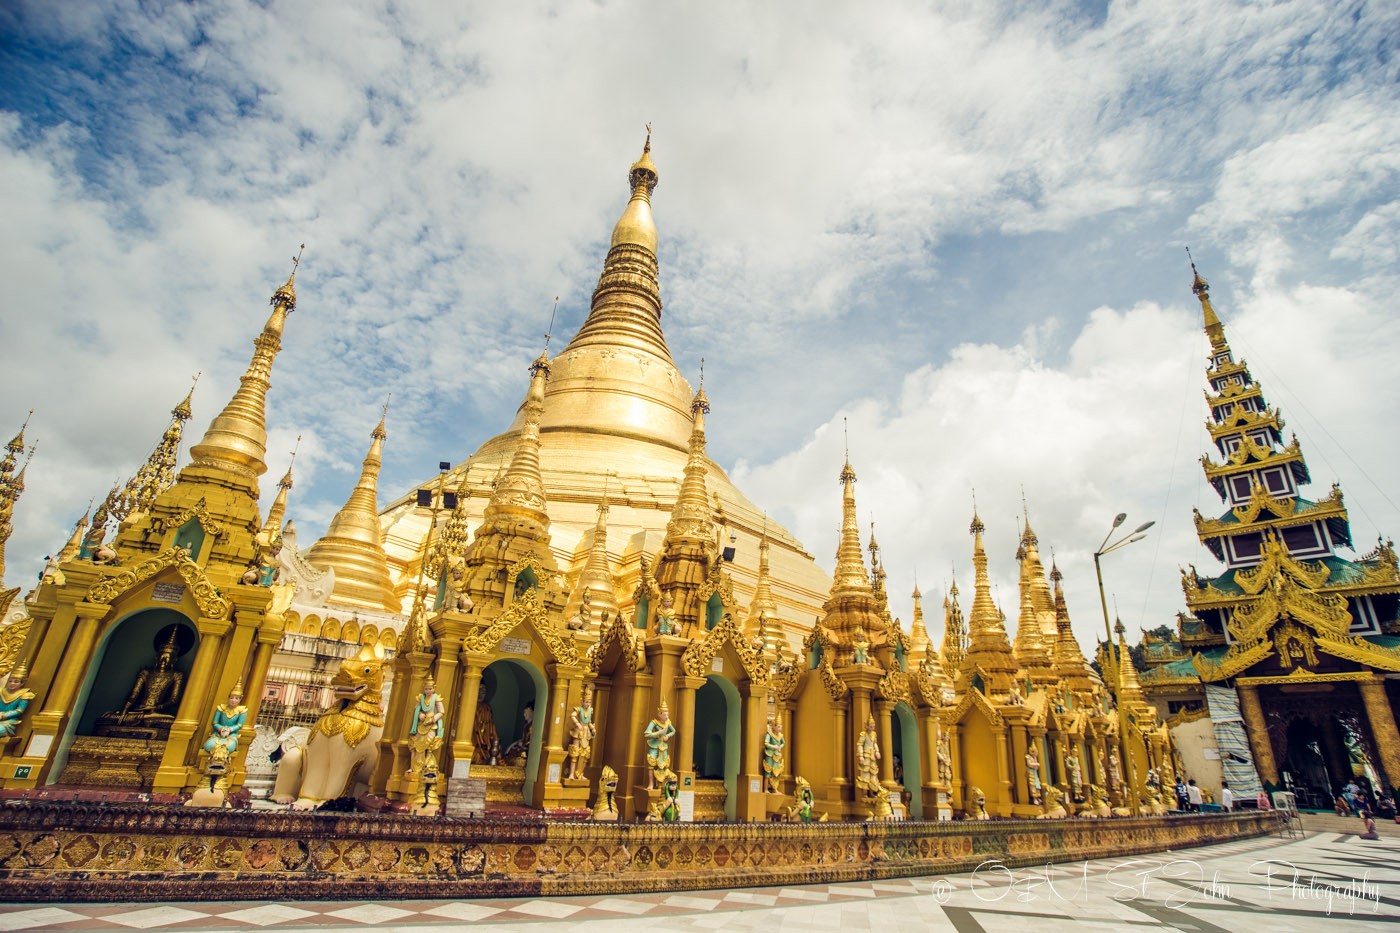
(205, 594)
(1363, 652)
(624, 634)
(200, 512)
(975, 698)
(1238, 658)
(12, 638)
(697, 658)
(894, 685)
(836, 688)
(527, 609)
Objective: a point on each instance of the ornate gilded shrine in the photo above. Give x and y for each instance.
(1285, 662)
(584, 602)
(132, 644)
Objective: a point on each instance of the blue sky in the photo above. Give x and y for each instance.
(961, 229)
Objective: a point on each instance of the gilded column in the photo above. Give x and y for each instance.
(1383, 729)
(683, 744)
(171, 776)
(840, 757)
(1258, 732)
(462, 748)
(75, 659)
(884, 710)
(1003, 774)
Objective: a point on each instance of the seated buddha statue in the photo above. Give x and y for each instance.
(153, 700)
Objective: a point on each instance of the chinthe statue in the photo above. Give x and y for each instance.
(658, 738)
(605, 806)
(14, 698)
(341, 751)
(801, 809)
(581, 733)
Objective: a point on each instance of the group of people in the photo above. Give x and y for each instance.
(1189, 797)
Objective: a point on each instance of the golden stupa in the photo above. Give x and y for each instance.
(616, 425)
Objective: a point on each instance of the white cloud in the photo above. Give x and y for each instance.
(843, 197)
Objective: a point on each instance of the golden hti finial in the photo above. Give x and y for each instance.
(647, 146)
(183, 411)
(552, 315)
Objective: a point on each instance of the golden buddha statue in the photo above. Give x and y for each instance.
(155, 695)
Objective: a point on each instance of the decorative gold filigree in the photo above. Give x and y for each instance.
(622, 633)
(205, 594)
(836, 688)
(12, 638)
(200, 512)
(894, 685)
(1358, 649)
(1238, 658)
(697, 658)
(528, 610)
(975, 698)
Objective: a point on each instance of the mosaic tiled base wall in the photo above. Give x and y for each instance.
(53, 852)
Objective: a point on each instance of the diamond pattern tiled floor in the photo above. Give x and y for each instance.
(1208, 890)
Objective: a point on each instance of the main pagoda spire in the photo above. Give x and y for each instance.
(626, 309)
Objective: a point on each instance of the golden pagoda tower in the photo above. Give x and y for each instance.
(920, 644)
(596, 582)
(989, 664)
(762, 619)
(272, 528)
(1071, 668)
(1030, 648)
(1286, 610)
(353, 545)
(689, 551)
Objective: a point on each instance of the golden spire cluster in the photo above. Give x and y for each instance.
(11, 486)
(1070, 666)
(353, 545)
(954, 632)
(157, 474)
(236, 441)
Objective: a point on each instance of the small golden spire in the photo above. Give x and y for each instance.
(691, 515)
(273, 525)
(1214, 329)
(236, 440)
(354, 543)
(519, 487)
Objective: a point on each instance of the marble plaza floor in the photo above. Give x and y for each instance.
(1315, 883)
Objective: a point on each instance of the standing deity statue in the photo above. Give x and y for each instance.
(1033, 774)
(228, 722)
(1115, 770)
(658, 738)
(666, 617)
(13, 700)
(945, 760)
(774, 744)
(581, 733)
(860, 646)
(1076, 776)
(425, 733)
(868, 760)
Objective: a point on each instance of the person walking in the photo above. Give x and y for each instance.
(1193, 796)
(1227, 797)
(1183, 800)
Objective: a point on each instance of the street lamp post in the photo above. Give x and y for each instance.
(1137, 534)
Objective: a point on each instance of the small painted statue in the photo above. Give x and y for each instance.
(425, 733)
(976, 808)
(13, 700)
(868, 760)
(801, 809)
(774, 744)
(667, 809)
(666, 617)
(945, 760)
(228, 722)
(1033, 775)
(860, 646)
(658, 738)
(1076, 776)
(581, 733)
